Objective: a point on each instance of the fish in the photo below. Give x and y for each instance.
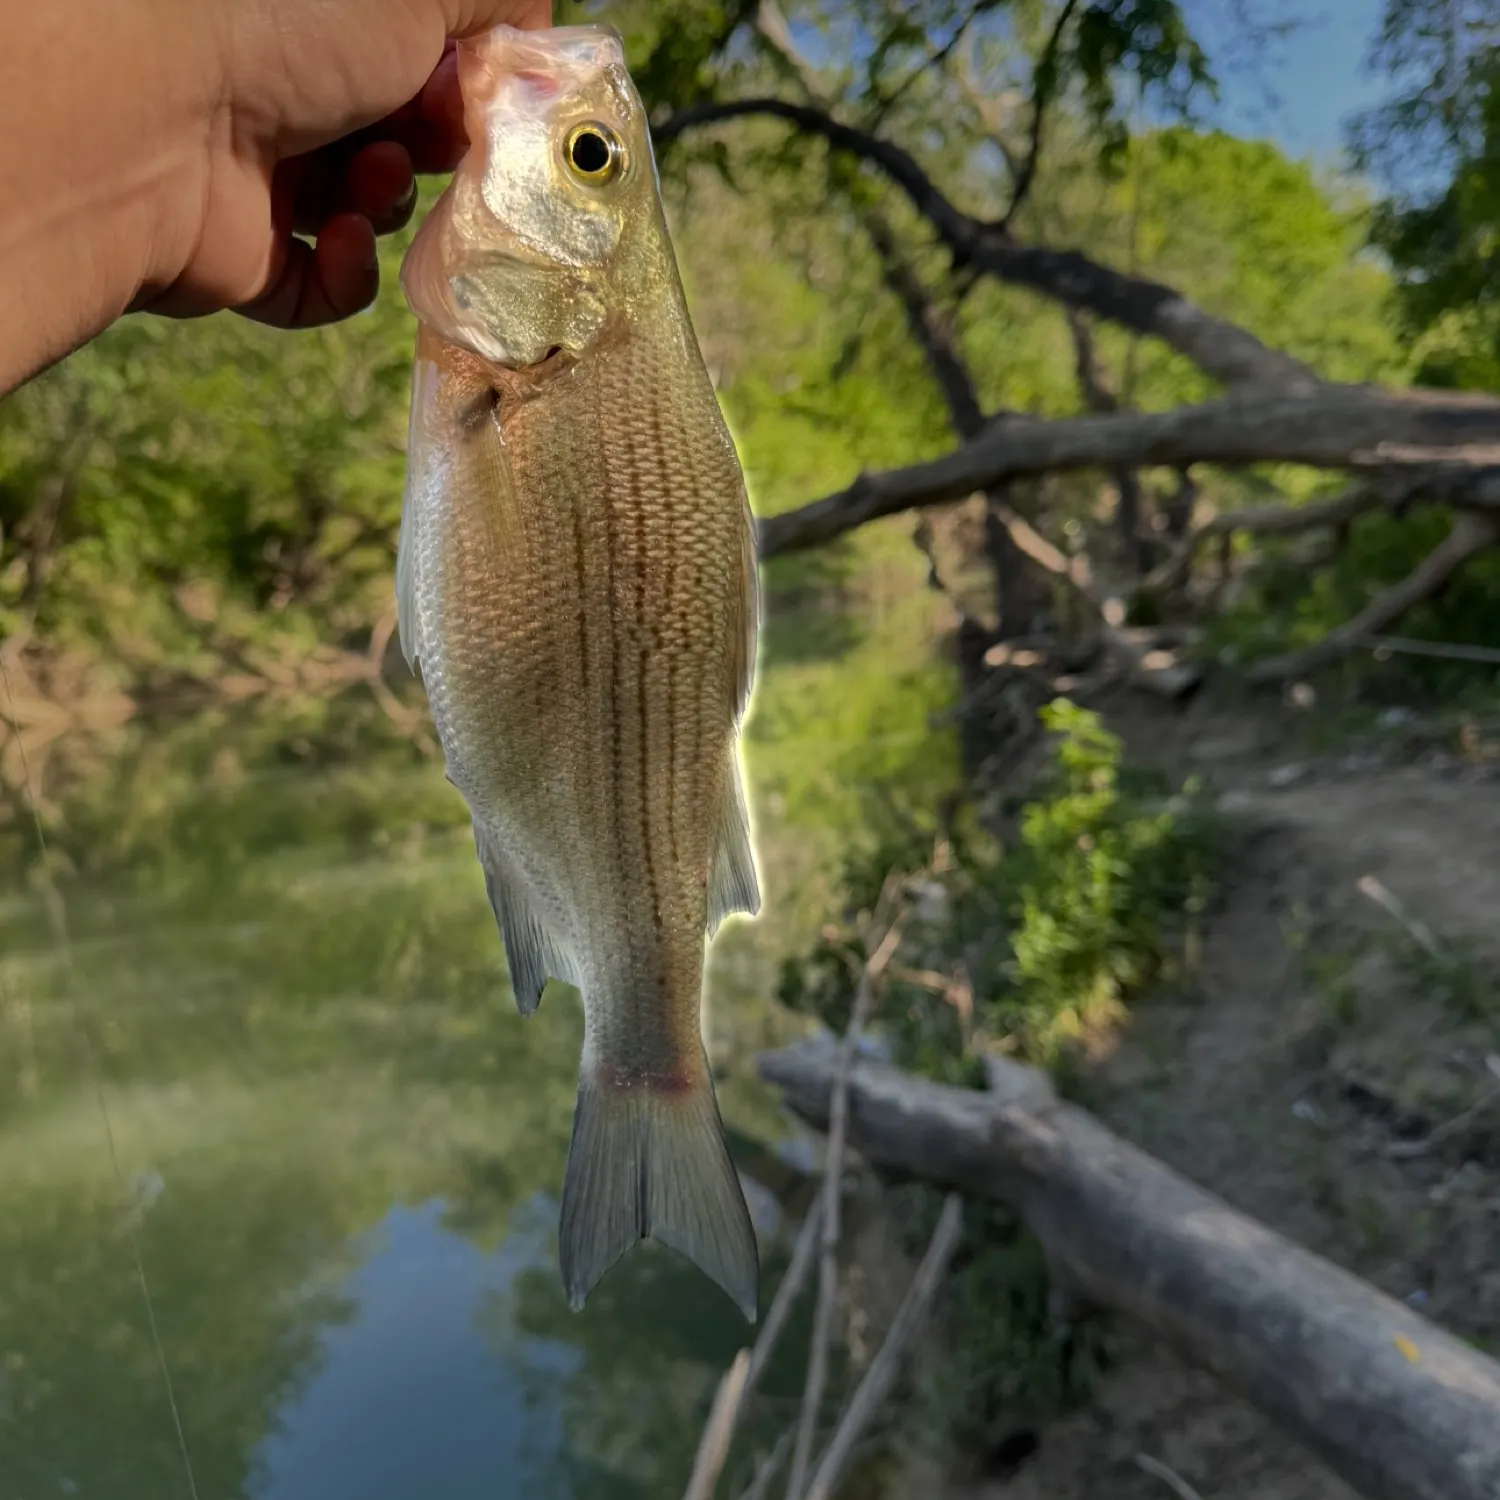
(577, 587)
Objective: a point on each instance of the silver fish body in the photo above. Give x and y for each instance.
(576, 582)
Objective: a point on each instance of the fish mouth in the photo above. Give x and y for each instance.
(543, 65)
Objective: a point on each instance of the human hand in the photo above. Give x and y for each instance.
(328, 111)
(185, 156)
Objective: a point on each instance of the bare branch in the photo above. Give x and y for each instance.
(1471, 533)
(989, 109)
(1221, 349)
(714, 1442)
(880, 1379)
(1336, 427)
(817, 1364)
(718, 1432)
(771, 24)
(760, 1486)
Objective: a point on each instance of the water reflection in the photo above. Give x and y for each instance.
(338, 1149)
(410, 1396)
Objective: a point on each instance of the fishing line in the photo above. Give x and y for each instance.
(57, 918)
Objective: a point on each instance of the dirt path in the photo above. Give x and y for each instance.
(1294, 1081)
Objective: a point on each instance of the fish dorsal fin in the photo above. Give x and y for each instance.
(748, 625)
(732, 882)
(533, 953)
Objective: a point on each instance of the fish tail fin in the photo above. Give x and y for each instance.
(649, 1160)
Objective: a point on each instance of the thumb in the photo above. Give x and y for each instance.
(467, 17)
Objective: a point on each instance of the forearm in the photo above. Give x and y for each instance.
(91, 193)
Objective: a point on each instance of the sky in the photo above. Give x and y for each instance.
(1317, 76)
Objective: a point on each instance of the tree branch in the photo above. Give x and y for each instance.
(1470, 534)
(1371, 429)
(936, 58)
(771, 25)
(1100, 398)
(1044, 84)
(931, 328)
(1267, 520)
(1221, 349)
(1150, 667)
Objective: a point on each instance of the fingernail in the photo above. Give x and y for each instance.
(408, 199)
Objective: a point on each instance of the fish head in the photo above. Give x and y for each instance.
(520, 256)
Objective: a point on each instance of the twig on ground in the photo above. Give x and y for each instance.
(1173, 1481)
(1383, 645)
(817, 1363)
(1421, 934)
(714, 1447)
(879, 1380)
(1410, 1150)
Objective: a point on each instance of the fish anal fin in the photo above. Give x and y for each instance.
(733, 885)
(648, 1160)
(533, 953)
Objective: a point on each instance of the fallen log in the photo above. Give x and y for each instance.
(1397, 1407)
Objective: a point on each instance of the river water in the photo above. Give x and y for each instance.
(275, 1074)
(272, 1132)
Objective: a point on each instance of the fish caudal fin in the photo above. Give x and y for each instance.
(532, 953)
(732, 883)
(652, 1163)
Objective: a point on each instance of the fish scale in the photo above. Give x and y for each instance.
(576, 584)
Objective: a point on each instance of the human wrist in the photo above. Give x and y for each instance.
(103, 199)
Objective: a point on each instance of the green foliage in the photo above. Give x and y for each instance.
(1456, 974)
(175, 482)
(1048, 935)
(1056, 932)
(1284, 605)
(1145, 40)
(1435, 144)
(1104, 878)
(1007, 1359)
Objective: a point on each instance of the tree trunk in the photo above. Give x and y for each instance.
(1397, 1407)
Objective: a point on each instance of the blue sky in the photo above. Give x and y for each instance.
(1317, 76)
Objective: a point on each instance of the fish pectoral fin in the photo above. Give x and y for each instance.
(651, 1163)
(533, 953)
(733, 885)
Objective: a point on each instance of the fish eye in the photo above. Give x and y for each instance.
(594, 152)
